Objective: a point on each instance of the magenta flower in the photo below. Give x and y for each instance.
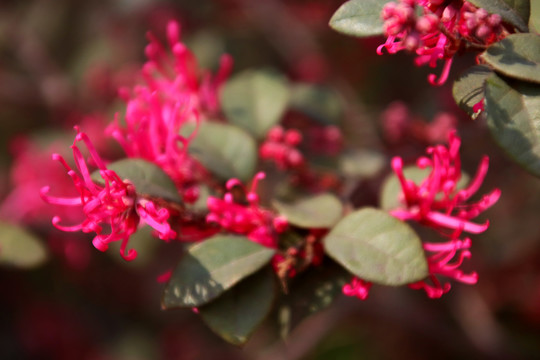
(358, 288)
(437, 202)
(250, 219)
(445, 261)
(114, 204)
(174, 93)
(439, 33)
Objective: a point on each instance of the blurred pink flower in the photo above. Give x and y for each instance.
(174, 92)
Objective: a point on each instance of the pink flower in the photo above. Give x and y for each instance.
(445, 261)
(250, 219)
(436, 202)
(439, 33)
(174, 93)
(358, 288)
(114, 204)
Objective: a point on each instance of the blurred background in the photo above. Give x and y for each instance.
(61, 63)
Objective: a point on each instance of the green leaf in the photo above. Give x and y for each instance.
(500, 7)
(468, 90)
(310, 292)
(361, 163)
(377, 247)
(319, 211)
(20, 248)
(359, 18)
(255, 100)
(147, 177)
(225, 150)
(237, 313)
(391, 188)
(318, 102)
(534, 19)
(513, 116)
(211, 267)
(521, 7)
(516, 56)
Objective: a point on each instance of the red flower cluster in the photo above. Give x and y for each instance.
(443, 29)
(171, 96)
(438, 203)
(114, 203)
(250, 219)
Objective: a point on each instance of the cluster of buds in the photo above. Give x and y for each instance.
(326, 140)
(480, 24)
(280, 146)
(399, 125)
(115, 203)
(444, 28)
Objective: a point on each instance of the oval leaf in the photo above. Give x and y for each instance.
(319, 211)
(361, 163)
(211, 267)
(500, 7)
(225, 150)
(359, 18)
(147, 178)
(517, 56)
(237, 313)
(468, 90)
(318, 102)
(377, 247)
(513, 116)
(255, 100)
(19, 248)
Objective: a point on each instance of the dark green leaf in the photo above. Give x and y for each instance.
(310, 292)
(319, 211)
(521, 7)
(255, 100)
(360, 18)
(211, 267)
(225, 150)
(391, 188)
(237, 313)
(500, 7)
(361, 163)
(468, 90)
(513, 116)
(377, 247)
(148, 178)
(517, 56)
(19, 248)
(318, 102)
